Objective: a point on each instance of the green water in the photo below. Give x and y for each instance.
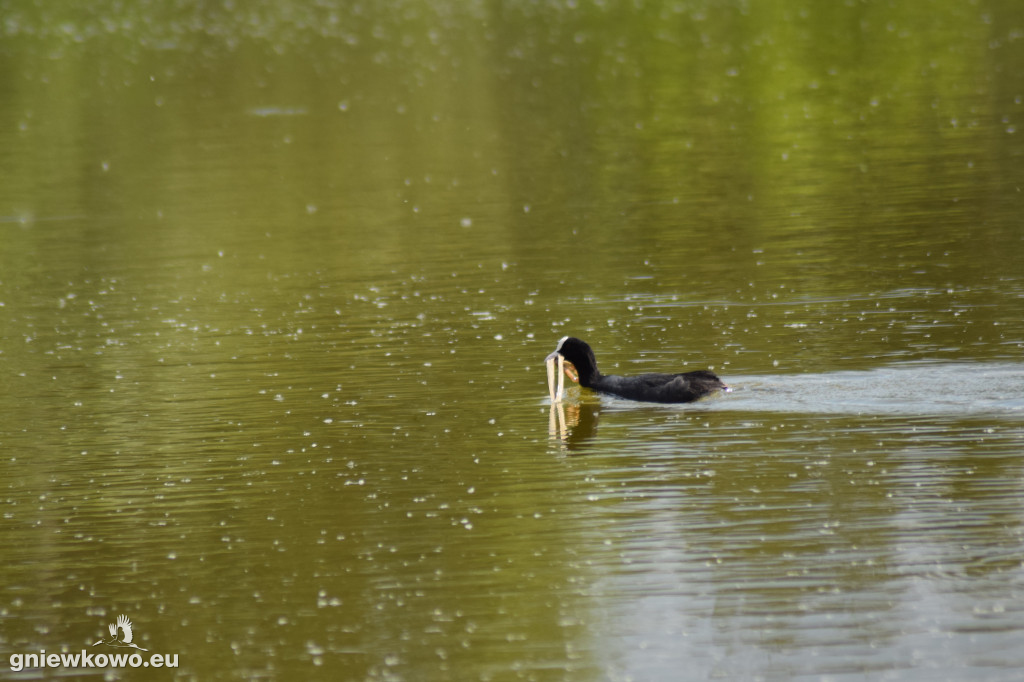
(277, 281)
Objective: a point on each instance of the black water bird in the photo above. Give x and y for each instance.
(577, 360)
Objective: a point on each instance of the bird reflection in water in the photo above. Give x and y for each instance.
(572, 423)
(568, 423)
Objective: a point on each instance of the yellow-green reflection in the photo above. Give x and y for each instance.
(277, 282)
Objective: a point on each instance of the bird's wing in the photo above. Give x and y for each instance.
(113, 630)
(126, 626)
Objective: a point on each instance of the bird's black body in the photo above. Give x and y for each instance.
(657, 388)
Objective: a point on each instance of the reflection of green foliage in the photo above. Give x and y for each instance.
(857, 138)
(805, 107)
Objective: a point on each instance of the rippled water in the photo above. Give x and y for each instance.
(831, 537)
(276, 291)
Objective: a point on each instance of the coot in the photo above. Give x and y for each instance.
(576, 359)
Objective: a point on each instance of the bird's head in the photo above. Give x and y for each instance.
(578, 363)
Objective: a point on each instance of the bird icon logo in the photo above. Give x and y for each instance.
(125, 638)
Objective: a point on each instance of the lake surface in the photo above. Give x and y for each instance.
(277, 282)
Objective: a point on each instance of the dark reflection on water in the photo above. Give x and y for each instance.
(276, 286)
